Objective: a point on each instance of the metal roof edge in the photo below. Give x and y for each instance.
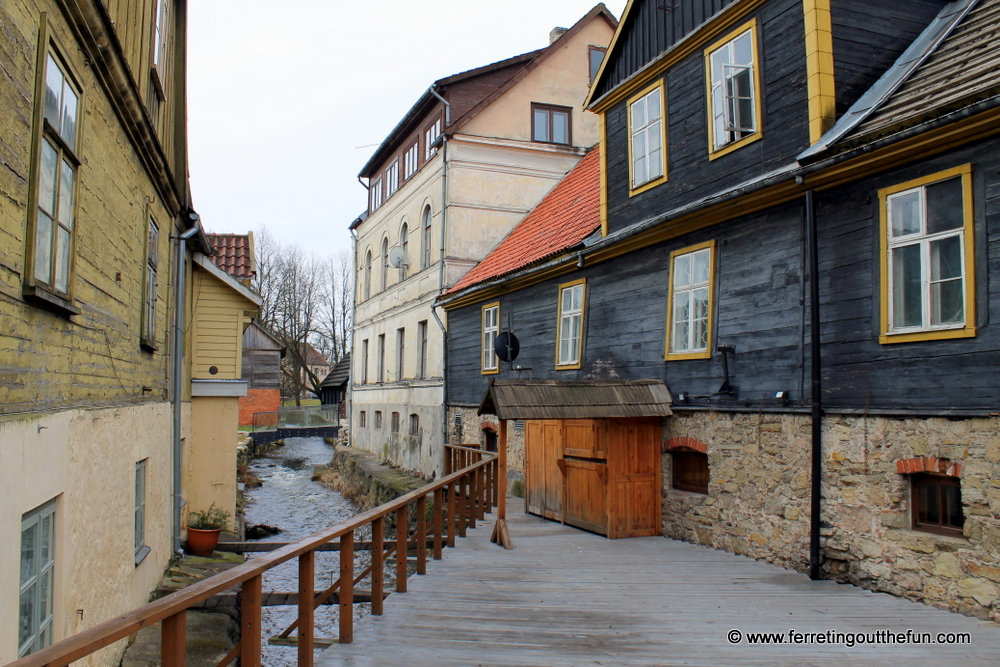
(915, 55)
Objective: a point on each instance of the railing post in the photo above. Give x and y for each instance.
(402, 528)
(473, 498)
(173, 640)
(447, 460)
(307, 627)
(463, 504)
(481, 497)
(422, 535)
(346, 592)
(438, 521)
(378, 565)
(452, 518)
(250, 622)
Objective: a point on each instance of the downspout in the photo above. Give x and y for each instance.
(354, 312)
(441, 273)
(180, 282)
(817, 390)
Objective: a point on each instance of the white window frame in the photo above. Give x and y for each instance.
(490, 322)
(141, 550)
(682, 294)
(151, 284)
(928, 329)
(422, 333)
(400, 353)
(376, 194)
(392, 178)
(410, 158)
(35, 633)
(426, 233)
(726, 131)
(430, 136)
(570, 356)
(650, 130)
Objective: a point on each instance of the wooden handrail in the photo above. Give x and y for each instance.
(171, 608)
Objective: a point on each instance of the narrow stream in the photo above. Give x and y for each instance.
(290, 500)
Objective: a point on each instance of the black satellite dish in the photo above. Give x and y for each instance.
(501, 345)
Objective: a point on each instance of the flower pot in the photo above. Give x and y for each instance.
(202, 542)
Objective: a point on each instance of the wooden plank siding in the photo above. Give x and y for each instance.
(219, 321)
(868, 37)
(652, 28)
(692, 175)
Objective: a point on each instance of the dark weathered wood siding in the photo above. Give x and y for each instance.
(262, 368)
(691, 174)
(858, 371)
(869, 36)
(759, 279)
(653, 27)
(759, 291)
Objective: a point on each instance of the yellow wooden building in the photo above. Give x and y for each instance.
(101, 272)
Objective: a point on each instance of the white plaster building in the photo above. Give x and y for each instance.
(469, 160)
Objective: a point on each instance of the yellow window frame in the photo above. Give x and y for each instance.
(713, 152)
(482, 334)
(968, 330)
(710, 325)
(642, 187)
(583, 322)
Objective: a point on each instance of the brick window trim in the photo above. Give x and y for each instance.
(683, 441)
(920, 464)
(488, 426)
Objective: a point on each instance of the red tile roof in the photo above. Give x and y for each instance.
(233, 254)
(566, 216)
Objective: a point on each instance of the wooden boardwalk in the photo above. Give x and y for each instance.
(564, 597)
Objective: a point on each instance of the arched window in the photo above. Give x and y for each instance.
(368, 274)
(404, 241)
(426, 261)
(385, 263)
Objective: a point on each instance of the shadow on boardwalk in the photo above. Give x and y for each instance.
(564, 597)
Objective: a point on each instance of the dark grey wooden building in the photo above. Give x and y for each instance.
(800, 235)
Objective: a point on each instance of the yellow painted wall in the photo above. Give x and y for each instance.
(85, 459)
(210, 454)
(219, 319)
(562, 79)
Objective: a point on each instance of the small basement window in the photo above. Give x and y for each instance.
(937, 504)
(690, 470)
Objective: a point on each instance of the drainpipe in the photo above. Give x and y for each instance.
(180, 282)
(441, 274)
(447, 106)
(816, 390)
(354, 311)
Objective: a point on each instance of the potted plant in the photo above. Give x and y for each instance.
(203, 528)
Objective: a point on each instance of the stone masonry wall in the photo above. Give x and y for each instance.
(758, 492)
(868, 537)
(465, 427)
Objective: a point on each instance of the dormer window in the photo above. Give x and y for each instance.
(734, 102)
(550, 124)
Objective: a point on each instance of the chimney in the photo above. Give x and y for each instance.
(556, 33)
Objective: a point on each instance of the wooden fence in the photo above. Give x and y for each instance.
(442, 510)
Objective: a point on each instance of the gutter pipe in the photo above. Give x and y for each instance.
(816, 399)
(180, 282)
(447, 105)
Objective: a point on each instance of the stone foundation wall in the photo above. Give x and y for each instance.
(758, 492)
(869, 540)
(465, 427)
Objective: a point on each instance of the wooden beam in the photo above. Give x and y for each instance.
(421, 538)
(378, 566)
(501, 535)
(307, 627)
(173, 640)
(402, 526)
(250, 634)
(346, 612)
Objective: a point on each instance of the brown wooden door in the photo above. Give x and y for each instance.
(544, 483)
(634, 501)
(586, 500)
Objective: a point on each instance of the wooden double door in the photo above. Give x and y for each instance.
(602, 475)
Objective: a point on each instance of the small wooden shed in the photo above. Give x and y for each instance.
(592, 450)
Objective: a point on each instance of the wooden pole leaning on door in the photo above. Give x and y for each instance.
(501, 535)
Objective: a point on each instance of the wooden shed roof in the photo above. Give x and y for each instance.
(582, 399)
(340, 373)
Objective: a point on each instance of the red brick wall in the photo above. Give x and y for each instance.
(258, 400)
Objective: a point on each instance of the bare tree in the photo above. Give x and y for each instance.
(307, 303)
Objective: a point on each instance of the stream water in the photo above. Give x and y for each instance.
(290, 500)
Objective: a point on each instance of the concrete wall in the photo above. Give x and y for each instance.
(85, 460)
(210, 454)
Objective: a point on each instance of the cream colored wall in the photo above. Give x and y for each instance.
(210, 454)
(563, 79)
(217, 330)
(85, 459)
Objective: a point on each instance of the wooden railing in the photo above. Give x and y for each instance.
(442, 510)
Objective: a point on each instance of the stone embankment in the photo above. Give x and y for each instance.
(364, 480)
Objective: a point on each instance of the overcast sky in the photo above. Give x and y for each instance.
(287, 100)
